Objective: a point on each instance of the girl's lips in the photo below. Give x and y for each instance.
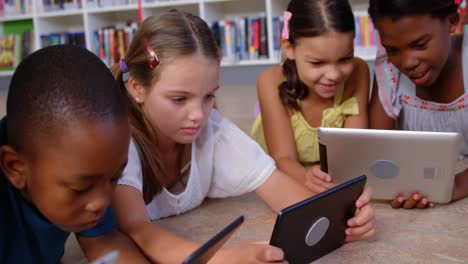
(191, 130)
(421, 78)
(328, 88)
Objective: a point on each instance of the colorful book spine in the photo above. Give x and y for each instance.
(57, 38)
(112, 42)
(366, 33)
(15, 7)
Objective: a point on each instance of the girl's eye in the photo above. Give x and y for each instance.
(316, 63)
(210, 97)
(178, 100)
(391, 51)
(347, 59)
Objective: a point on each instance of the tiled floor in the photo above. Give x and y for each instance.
(236, 102)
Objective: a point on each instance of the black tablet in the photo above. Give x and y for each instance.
(316, 226)
(207, 250)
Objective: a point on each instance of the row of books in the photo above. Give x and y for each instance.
(58, 38)
(15, 7)
(55, 5)
(108, 3)
(15, 47)
(242, 38)
(463, 25)
(245, 38)
(366, 33)
(111, 43)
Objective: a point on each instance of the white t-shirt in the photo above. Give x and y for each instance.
(225, 162)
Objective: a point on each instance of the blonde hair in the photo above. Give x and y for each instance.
(171, 35)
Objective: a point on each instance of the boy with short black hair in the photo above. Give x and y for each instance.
(63, 146)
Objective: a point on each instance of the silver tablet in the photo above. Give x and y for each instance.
(395, 161)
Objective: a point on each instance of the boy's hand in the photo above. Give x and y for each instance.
(317, 180)
(363, 223)
(259, 252)
(414, 201)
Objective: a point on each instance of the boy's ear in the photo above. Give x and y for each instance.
(137, 90)
(13, 166)
(288, 48)
(453, 20)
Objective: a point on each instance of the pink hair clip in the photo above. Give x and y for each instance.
(150, 55)
(286, 17)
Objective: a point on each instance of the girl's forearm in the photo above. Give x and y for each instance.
(292, 168)
(161, 246)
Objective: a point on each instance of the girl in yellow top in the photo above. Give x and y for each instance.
(320, 83)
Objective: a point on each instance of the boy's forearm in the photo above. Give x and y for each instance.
(460, 188)
(97, 247)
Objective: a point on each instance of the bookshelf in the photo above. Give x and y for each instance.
(88, 16)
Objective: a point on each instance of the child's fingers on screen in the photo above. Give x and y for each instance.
(314, 187)
(369, 234)
(317, 172)
(364, 198)
(363, 216)
(397, 202)
(423, 203)
(360, 230)
(411, 202)
(267, 253)
(320, 182)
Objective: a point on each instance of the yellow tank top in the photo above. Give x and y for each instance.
(305, 136)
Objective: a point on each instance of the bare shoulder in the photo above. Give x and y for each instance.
(359, 79)
(271, 78)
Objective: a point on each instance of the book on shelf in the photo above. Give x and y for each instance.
(366, 38)
(58, 5)
(277, 26)
(242, 38)
(58, 38)
(27, 41)
(108, 3)
(15, 7)
(10, 50)
(463, 18)
(111, 43)
(366, 34)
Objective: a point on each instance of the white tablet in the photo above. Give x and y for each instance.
(395, 161)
